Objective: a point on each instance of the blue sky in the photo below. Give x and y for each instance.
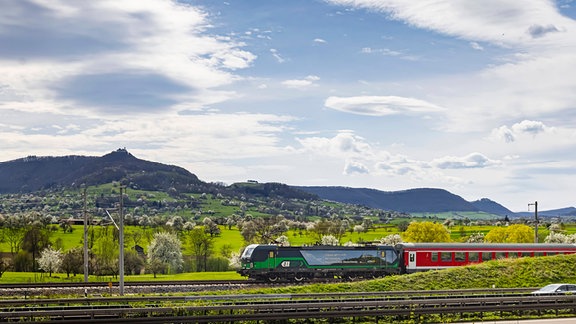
(475, 97)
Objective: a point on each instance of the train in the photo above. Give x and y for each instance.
(272, 263)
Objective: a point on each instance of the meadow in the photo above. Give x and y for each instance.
(231, 240)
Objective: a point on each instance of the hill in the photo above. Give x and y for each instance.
(492, 207)
(34, 173)
(408, 201)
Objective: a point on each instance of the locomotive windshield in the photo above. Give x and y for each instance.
(247, 254)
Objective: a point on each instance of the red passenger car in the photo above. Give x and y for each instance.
(430, 256)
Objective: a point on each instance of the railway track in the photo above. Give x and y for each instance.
(221, 308)
(99, 288)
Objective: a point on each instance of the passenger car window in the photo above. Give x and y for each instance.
(460, 256)
(473, 256)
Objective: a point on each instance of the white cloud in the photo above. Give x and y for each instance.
(505, 22)
(525, 127)
(155, 43)
(355, 167)
(319, 41)
(305, 83)
(529, 82)
(389, 52)
(476, 46)
(344, 144)
(472, 160)
(277, 55)
(381, 105)
(360, 157)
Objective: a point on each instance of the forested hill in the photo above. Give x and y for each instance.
(410, 201)
(34, 173)
(39, 173)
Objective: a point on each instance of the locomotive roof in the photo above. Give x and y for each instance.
(532, 246)
(324, 247)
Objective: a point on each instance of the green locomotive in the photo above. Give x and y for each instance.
(273, 262)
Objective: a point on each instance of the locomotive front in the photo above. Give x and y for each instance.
(253, 259)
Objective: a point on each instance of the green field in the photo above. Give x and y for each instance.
(231, 239)
(29, 277)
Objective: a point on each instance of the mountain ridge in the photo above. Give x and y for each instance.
(34, 173)
(430, 199)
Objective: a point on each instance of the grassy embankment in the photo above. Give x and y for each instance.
(510, 273)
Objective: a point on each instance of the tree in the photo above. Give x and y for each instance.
(50, 260)
(496, 235)
(73, 261)
(475, 238)
(367, 223)
(166, 248)
(14, 230)
(555, 237)
(263, 229)
(133, 262)
(3, 266)
(201, 244)
(211, 227)
(391, 239)
(106, 252)
(23, 262)
(329, 240)
(520, 233)
(282, 240)
(426, 232)
(36, 239)
(517, 233)
(359, 229)
(156, 266)
(403, 226)
(322, 228)
(555, 227)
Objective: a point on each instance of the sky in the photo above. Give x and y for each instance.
(474, 97)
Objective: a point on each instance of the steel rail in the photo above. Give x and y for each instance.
(435, 294)
(308, 309)
(115, 284)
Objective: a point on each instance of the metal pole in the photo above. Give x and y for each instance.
(535, 204)
(536, 219)
(121, 230)
(85, 238)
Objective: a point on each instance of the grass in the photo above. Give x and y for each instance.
(32, 277)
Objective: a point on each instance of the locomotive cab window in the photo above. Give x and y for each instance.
(261, 255)
(389, 256)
